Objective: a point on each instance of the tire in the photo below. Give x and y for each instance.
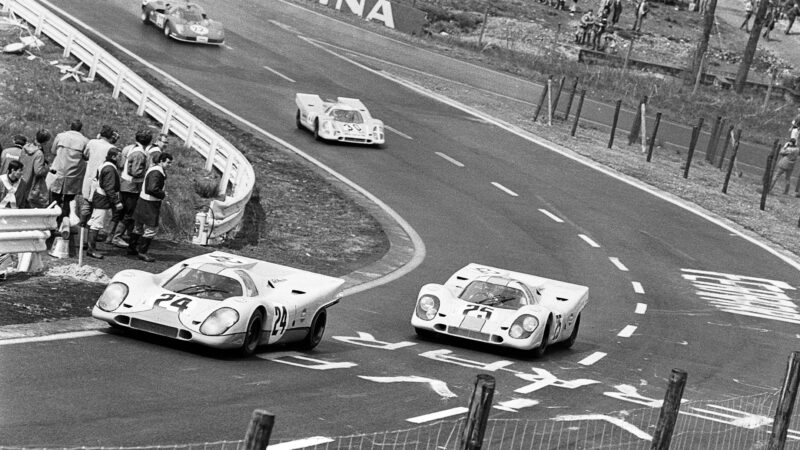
(253, 334)
(166, 29)
(315, 332)
(297, 120)
(144, 16)
(574, 336)
(542, 348)
(316, 130)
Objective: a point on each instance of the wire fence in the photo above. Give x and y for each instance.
(740, 423)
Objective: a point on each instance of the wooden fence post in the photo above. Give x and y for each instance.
(578, 113)
(669, 410)
(542, 99)
(783, 414)
(259, 430)
(479, 406)
(635, 126)
(711, 148)
(483, 26)
(571, 98)
(688, 163)
(558, 96)
(614, 123)
(732, 162)
(725, 147)
(653, 137)
(766, 182)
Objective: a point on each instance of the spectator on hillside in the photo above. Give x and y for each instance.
(794, 132)
(68, 167)
(573, 8)
(769, 21)
(616, 12)
(12, 153)
(9, 182)
(95, 155)
(788, 155)
(599, 28)
(32, 191)
(748, 13)
(149, 207)
(792, 11)
(105, 198)
(585, 27)
(642, 8)
(133, 164)
(154, 150)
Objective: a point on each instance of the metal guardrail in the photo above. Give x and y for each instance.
(226, 215)
(25, 232)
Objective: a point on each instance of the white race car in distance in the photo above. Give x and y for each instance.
(501, 307)
(222, 300)
(344, 120)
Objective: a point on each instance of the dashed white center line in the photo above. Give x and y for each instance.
(591, 359)
(637, 287)
(504, 189)
(279, 74)
(589, 240)
(398, 133)
(301, 443)
(438, 415)
(617, 263)
(641, 308)
(627, 331)
(551, 215)
(451, 160)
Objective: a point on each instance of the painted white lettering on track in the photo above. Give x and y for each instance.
(368, 340)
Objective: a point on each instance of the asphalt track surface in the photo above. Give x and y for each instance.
(473, 192)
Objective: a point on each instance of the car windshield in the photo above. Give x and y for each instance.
(497, 295)
(346, 116)
(202, 284)
(191, 15)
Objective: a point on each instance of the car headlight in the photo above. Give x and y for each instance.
(427, 307)
(112, 296)
(219, 321)
(327, 126)
(523, 326)
(179, 28)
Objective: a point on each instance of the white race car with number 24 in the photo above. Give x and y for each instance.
(344, 120)
(501, 307)
(222, 300)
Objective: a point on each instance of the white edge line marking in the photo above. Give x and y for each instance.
(419, 245)
(567, 153)
(451, 160)
(551, 215)
(627, 331)
(52, 337)
(593, 358)
(637, 287)
(438, 415)
(300, 443)
(279, 74)
(589, 240)
(504, 189)
(398, 132)
(641, 308)
(618, 263)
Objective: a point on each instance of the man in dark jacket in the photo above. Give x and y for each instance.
(133, 166)
(12, 153)
(148, 208)
(105, 196)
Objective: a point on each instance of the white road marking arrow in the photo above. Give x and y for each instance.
(516, 404)
(440, 387)
(629, 427)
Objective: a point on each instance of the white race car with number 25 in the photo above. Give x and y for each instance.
(222, 300)
(501, 307)
(344, 120)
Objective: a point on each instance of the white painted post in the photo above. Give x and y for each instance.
(190, 134)
(167, 119)
(226, 175)
(212, 154)
(644, 125)
(93, 67)
(68, 47)
(549, 103)
(118, 85)
(39, 25)
(143, 102)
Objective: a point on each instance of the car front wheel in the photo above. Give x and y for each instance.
(253, 333)
(144, 16)
(315, 332)
(316, 130)
(297, 120)
(542, 348)
(166, 29)
(572, 337)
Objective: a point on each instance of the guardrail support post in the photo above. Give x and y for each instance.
(479, 406)
(669, 410)
(212, 154)
(190, 134)
(68, 47)
(259, 430)
(143, 102)
(653, 137)
(614, 123)
(542, 99)
(578, 113)
(93, 68)
(732, 161)
(226, 176)
(118, 85)
(783, 414)
(688, 163)
(167, 119)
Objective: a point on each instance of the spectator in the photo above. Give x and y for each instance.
(154, 150)
(149, 207)
(32, 191)
(573, 8)
(599, 28)
(794, 132)
(788, 156)
(793, 10)
(95, 155)
(641, 12)
(105, 197)
(586, 23)
(12, 153)
(748, 13)
(769, 21)
(9, 182)
(134, 166)
(68, 167)
(616, 12)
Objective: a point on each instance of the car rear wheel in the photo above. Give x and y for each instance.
(542, 348)
(297, 120)
(253, 333)
(316, 130)
(574, 336)
(315, 332)
(166, 29)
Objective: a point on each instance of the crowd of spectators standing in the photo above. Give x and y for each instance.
(776, 10)
(117, 193)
